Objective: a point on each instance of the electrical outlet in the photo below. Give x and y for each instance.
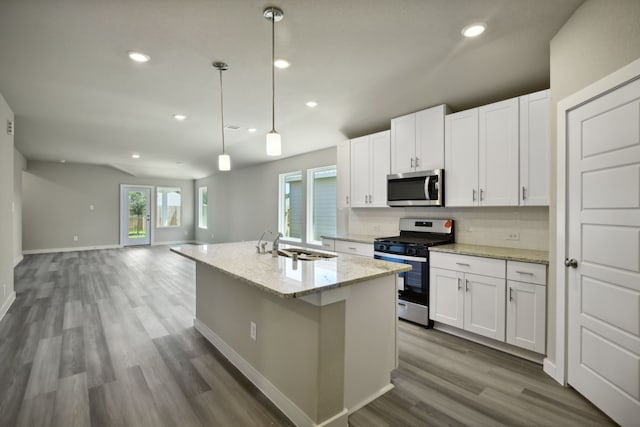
(212, 235)
(253, 331)
(186, 232)
(513, 235)
(75, 238)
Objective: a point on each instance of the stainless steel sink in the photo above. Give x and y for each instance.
(304, 254)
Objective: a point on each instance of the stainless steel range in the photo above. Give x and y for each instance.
(412, 247)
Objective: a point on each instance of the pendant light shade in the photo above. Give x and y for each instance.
(274, 141)
(224, 161)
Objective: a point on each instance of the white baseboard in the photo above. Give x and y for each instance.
(290, 409)
(371, 398)
(17, 260)
(549, 368)
(75, 249)
(7, 305)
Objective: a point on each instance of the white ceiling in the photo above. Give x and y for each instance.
(76, 95)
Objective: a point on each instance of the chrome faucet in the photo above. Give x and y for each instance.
(276, 243)
(261, 247)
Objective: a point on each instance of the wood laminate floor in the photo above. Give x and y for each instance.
(106, 338)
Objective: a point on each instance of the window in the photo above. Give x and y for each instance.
(203, 201)
(321, 203)
(168, 207)
(290, 219)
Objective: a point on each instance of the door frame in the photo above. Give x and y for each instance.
(123, 220)
(557, 368)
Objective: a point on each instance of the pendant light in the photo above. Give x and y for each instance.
(274, 142)
(224, 161)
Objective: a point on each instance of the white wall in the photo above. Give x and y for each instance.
(56, 199)
(599, 38)
(19, 165)
(6, 199)
(244, 202)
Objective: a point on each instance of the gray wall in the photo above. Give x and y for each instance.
(56, 199)
(601, 37)
(244, 202)
(6, 199)
(19, 165)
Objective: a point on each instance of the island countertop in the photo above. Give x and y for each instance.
(284, 277)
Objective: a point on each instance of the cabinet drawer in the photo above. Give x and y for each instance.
(468, 264)
(527, 272)
(353, 248)
(328, 244)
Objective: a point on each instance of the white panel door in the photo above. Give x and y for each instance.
(403, 143)
(535, 139)
(461, 158)
(604, 251)
(498, 153)
(446, 297)
(526, 315)
(484, 305)
(430, 138)
(360, 172)
(380, 153)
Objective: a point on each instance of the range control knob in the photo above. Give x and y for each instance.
(382, 247)
(411, 250)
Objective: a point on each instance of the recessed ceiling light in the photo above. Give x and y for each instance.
(63, 161)
(281, 63)
(251, 130)
(474, 30)
(135, 156)
(179, 117)
(312, 104)
(138, 56)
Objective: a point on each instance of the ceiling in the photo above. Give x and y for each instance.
(77, 96)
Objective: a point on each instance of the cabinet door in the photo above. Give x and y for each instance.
(360, 172)
(429, 138)
(461, 158)
(498, 150)
(446, 296)
(526, 315)
(343, 167)
(484, 305)
(534, 148)
(380, 152)
(403, 138)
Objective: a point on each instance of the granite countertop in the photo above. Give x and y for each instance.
(511, 254)
(358, 238)
(281, 276)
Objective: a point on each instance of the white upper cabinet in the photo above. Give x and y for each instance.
(481, 156)
(417, 140)
(343, 168)
(534, 148)
(461, 158)
(369, 170)
(498, 149)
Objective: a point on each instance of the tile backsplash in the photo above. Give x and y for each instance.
(491, 226)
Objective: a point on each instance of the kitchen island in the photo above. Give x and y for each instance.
(318, 338)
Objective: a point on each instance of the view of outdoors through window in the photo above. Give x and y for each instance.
(292, 205)
(203, 206)
(322, 203)
(137, 213)
(168, 207)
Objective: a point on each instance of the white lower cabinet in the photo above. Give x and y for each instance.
(526, 306)
(459, 297)
(348, 247)
(498, 299)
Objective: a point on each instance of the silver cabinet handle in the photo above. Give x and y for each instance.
(466, 285)
(524, 195)
(463, 264)
(417, 162)
(459, 283)
(366, 198)
(352, 249)
(412, 163)
(346, 198)
(473, 197)
(402, 305)
(528, 273)
(510, 293)
(481, 194)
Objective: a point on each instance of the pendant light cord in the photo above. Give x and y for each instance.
(273, 70)
(221, 111)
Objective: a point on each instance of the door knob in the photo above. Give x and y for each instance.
(571, 263)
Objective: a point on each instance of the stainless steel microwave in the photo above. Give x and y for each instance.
(424, 188)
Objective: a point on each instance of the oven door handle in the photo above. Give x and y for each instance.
(401, 257)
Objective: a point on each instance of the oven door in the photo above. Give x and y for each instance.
(413, 285)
